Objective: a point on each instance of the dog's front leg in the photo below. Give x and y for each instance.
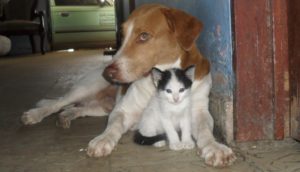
(103, 144)
(124, 116)
(119, 122)
(214, 153)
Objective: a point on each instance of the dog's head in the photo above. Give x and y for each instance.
(153, 35)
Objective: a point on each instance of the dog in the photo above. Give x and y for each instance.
(154, 36)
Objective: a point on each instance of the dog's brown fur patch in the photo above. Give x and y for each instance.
(106, 98)
(168, 40)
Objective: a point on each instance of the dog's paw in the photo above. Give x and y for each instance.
(66, 116)
(100, 146)
(176, 146)
(188, 144)
(218, 155)
(32, 116)
(63, 121)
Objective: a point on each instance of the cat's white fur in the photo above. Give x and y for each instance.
(169, 112)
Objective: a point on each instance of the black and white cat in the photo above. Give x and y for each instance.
(169, 111)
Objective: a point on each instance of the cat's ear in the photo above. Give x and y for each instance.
(190, 72)
(156, 75)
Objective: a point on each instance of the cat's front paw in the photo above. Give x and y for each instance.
(159, 144)
(188, 144)
(176, 146)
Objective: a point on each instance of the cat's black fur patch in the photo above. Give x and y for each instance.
(181, 76)
(165, 77)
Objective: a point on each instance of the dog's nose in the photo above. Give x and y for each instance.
(110, 72)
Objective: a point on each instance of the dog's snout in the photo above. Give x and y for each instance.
(110, 72)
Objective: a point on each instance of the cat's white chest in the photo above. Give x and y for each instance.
(175, 112)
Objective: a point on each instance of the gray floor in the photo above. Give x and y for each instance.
(46, 147)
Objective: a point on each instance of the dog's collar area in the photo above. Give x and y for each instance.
(115, 82)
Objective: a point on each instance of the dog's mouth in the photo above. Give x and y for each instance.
(115, 78)
(110, 79)
(115, 75)
(147, 73)
(115, 82)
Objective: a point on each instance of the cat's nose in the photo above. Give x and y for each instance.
(176, 99)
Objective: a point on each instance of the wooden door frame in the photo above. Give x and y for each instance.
(294, 62)
(261, 68)
(281, 70)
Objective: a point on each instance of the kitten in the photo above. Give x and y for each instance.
(169, 110)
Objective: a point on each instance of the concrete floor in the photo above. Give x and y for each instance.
(46, 147)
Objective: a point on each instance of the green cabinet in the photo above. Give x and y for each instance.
(82, 25)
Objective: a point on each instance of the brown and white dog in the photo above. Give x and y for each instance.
(158, 36)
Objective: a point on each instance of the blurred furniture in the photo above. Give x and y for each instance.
(20, 17)
(5, 45)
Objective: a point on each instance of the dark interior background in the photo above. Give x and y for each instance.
(21, 44)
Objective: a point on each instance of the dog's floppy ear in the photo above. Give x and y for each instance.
(186, 27)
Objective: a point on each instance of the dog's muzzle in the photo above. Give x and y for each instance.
(110, 73)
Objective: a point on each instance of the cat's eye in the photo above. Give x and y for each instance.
(181, 90)
(168, 90)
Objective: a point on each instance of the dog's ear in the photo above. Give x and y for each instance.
(186, 27)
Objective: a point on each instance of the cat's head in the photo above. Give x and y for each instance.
(173, 84)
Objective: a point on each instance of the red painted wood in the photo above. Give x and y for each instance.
(281, 73)
(294, 54)
(254, 70)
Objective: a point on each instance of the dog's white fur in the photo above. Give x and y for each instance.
(127, 112)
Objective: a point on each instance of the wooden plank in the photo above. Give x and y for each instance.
(254, 70)
(281, 73)
(294, 62)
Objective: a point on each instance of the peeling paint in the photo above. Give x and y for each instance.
(229, 121)
(286, 81)
(295, 109)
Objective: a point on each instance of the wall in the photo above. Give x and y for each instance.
(215, 43)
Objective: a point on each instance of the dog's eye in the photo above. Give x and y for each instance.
(143, 37)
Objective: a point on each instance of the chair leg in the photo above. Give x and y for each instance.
(32, 43)
(42, 36)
